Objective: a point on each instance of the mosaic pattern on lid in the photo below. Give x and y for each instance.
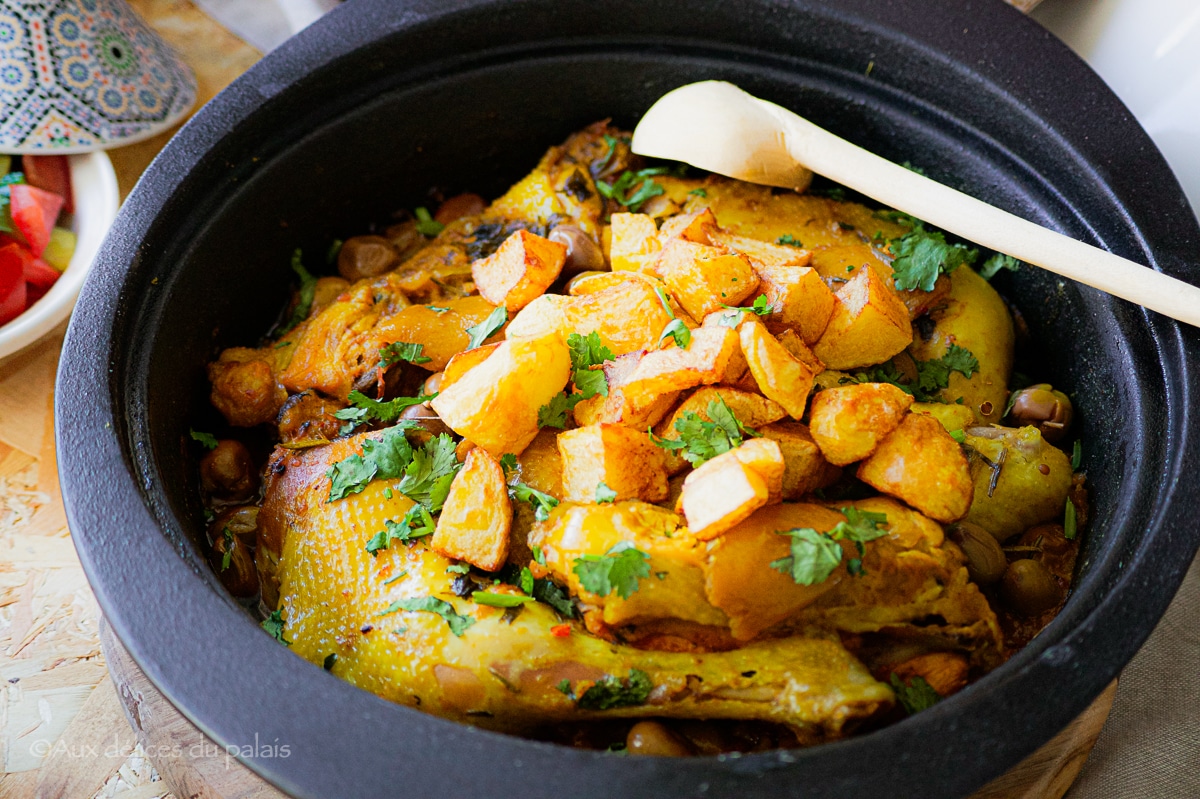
(78, 75)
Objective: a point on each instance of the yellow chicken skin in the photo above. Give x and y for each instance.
(511, 674)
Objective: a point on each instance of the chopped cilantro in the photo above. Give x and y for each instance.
(760, 307)
(564, 686)
(550, 593)
(815, 555)
(273, 624)
(308, 289)
(554, 413)
(437, 309)
(542, 502)
(1070, 523)
(920, 255)
(208, 440)
(508, 462)
(458, 568)
(401, 351)
(539, 557)
(611, 141)
(701, 440)
(997, 262)
(612, 692)
(618, 570)
(789, 240)
(604, 494)
(932, 376)
(959, 436)
(484, 330)
(364, 409)
(494, 600)
(425, 473)
(915, 694)
(416, 523)
(426, 224)
(458, 624)
(646, 187)
(427, 478)
(699, 192)
(587, 352)
(913, 168)
(675, 329)
(227, 557)
(525, 580)
(1076, 455)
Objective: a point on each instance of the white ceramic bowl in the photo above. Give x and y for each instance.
(94, 186)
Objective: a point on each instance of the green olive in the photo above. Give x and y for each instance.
(366, 256)
(1029, 588)
(583, 253)
(985, 559)
(228, 472)
(1042, 407)
(655, 739)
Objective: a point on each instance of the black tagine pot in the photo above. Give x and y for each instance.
(365, 111)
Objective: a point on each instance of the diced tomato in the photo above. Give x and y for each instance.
(52, 173)
(34, 212)
(33, 294)
(561, 630)
(12, 284)
(39, 273)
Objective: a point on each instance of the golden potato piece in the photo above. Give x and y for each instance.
(869, 324)
(623, 459)
(713, 356)
(704, 278)
(1031, 480)
(848, 422)
(751, 409)
(792, 342)
(731, 486)
(952, 415)
(539, 318)
(464, 362)
(805, 468)
(761, 253)
(779, 376)
(626, 315)
(520, 270)
(636, 411)
(244, 388)
(798, 298)
(495, 404)
(476, 519)
(635, 242)
(921, 464)
(699, 227)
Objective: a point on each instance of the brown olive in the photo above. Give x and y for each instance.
(433, 383)
(653, 738)
(367, 256)
(227, 472)
(426, 417)
(459, 206)
(1042, 407)
(985, 559)
(405, 237)
(583, 253)
(580, 278)
(1029, 588)
(233, 563)
(241, 520)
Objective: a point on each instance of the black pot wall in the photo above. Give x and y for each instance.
(367, 110)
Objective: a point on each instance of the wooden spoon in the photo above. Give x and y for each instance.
(718, 127)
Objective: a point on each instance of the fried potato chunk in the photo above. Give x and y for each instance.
(638, 410)
(921, 464)
(623, 459)
(704, 278)
(750, 409)
(713, 356)
(626, 315)
(520, 270)
(539, 318)
(805, 468)
(517, 379)
(869, 324)
(780, 377)
(476, 519)
(848, 422)
(635, 244)
(799, 298)
(731, 486)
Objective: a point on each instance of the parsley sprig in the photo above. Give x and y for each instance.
(761, 306)
(702, 440)
(814, 555)
(616, 571)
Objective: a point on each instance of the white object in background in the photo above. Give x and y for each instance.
(266, 24)
(94, 188)
(1148, 51)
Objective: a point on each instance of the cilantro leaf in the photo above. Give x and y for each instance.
(932, 376)
(789, 240)
(384, 458)
(458, 624)
(604, 494)
(426, 224)
(208, 440)
(508, 462)
(542, 502)
(612, 692)
(699, 192)
(915, 694)
(815, 555)
(921, 255)
(554, 413)
(760, 308)
(675, 329)
(586, 352)
(308, 290)
(364, 409)
(415, 524)
(997, 262)
(646, 187)
(553, 595)
(618, 570)
(525, 580)
(484, 330)
(401, 351)
(227, 557)
(702, 440)
(428, 475)
(495, 600)
(273, 624)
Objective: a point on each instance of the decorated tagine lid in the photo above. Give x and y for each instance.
(81, 75)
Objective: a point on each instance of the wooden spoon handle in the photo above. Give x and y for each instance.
(782, 143)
